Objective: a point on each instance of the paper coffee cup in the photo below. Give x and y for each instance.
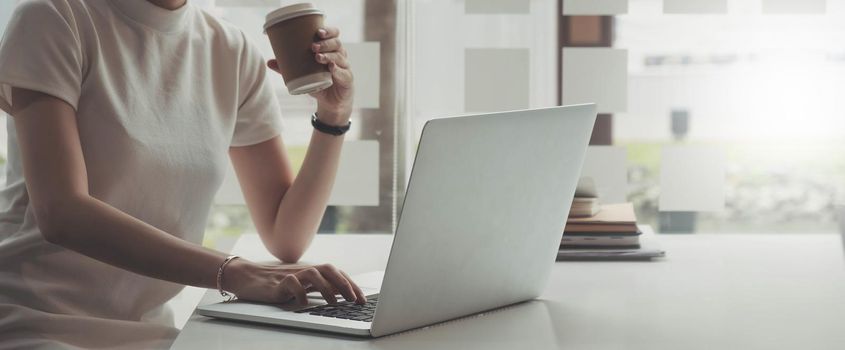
(292, 30)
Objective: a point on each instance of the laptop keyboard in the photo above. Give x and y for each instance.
(345, 310)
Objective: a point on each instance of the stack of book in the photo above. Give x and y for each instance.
(611, 233)
(613, 225)
(584, 207)
(586, 201)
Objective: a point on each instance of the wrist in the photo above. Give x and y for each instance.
(333, 118)
(323, 127)
(237, 274)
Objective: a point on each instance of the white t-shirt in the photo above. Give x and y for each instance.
(160, 96)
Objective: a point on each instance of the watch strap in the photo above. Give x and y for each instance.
(329, 129)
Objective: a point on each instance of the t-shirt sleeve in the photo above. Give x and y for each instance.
(41, 51)
(259, 116)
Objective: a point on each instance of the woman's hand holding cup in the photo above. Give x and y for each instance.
(311, 60)
(334, 104)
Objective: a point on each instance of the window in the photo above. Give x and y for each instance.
(480, 56)
(740, 97)
(760, 90)
(364, 195)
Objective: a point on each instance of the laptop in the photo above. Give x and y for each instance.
(480, 227)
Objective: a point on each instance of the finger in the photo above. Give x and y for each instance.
(361, 298)
(329, 45)
(341, 77)
(274, 65)
(316, 280)
(311, 289)
(332, 57)
(328, 32)
(339, 281)
(294, 287)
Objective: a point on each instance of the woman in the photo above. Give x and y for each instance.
(123, 112)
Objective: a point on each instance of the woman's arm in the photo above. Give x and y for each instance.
(287, 210)
(67, 215)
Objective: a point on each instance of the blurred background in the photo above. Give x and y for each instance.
(717, 116)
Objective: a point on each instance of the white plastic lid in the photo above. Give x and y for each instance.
(288, 12)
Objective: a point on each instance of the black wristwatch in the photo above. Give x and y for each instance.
(329, 129)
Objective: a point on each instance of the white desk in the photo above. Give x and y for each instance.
(711, 292)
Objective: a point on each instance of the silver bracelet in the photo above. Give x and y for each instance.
(220, 277)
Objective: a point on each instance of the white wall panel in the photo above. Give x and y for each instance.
(484, 7)
(496, 79)
(365, 60)
(595, 7)
(794, 6)
(695, 6)
(598, 75)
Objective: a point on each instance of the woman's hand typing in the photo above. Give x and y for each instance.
(281, 284)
